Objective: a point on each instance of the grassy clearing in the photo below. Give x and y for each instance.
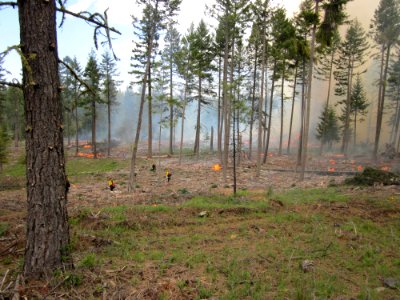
(245, 249)
(75, 167)
(84, 166)
(299, 196)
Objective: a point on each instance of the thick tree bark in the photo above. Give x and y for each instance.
(47, 235)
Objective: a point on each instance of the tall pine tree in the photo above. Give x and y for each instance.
(93, 95)
(109, 71)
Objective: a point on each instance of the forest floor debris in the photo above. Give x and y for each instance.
(159, 243)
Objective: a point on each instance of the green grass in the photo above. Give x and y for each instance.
(75, 167)
(299, 196)
(84, 166)
(15, 170)
(154, 208)
(247, 247)
(89, 261)
(3, 228)
(224, 202)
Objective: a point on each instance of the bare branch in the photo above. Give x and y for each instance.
(100, 22)
(13, 84)
(90, 18)
(13, 4)
(76, 76)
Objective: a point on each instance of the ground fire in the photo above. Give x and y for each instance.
(217, 167)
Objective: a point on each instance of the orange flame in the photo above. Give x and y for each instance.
(360, 168)
(87, 146)
(385, 168)
(332, 162)
(88, 155)
(331, 169)
(217, 167)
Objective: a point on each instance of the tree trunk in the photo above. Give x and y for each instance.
(197, 139)
(330, 79)
(94, 117)
(150, 119)
(132, 175)
(346, 132)
(160, 130)
(270, 115)
(47, 234)
(212, 140)
(292, 111)
(183, 121)
(303, 112)
(398, 143)
(76, 128)
(225, 100)
(108, 117)
(282, 104)
(393, 130)
(260, 104)
(355, 129)
(381, 104)
(397, 122)
(219, 130)
(234, 150)
(253, 101)
(171, 111)
(308, 100)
